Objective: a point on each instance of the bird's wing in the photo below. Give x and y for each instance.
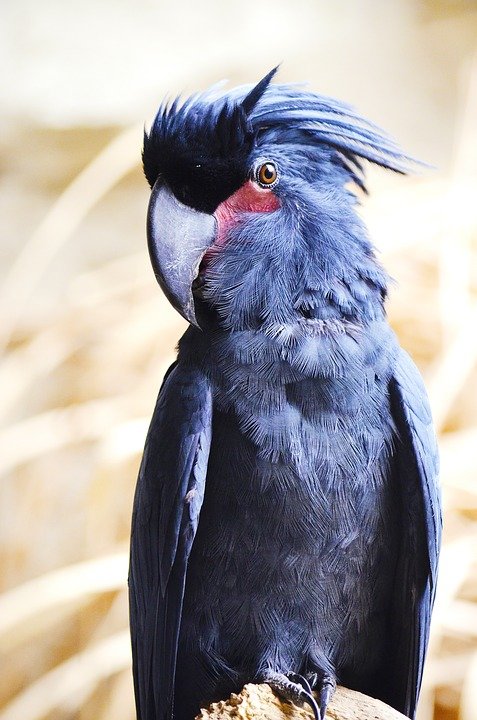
(167, 505)
(418, 465)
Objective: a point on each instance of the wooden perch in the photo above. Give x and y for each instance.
(259, 702)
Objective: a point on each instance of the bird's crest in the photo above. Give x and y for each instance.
(228, 124)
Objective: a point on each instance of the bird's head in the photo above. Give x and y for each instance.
(251, 218)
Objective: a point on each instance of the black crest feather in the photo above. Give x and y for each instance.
(252, 98)
(208, 137)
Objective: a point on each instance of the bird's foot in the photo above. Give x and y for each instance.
(325, 685)
(292, 687)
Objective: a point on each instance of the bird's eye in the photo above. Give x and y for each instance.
(266, 174)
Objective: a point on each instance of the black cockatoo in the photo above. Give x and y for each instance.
(287, 521)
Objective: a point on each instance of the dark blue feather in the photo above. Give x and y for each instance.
(166, 513)
(417, 575)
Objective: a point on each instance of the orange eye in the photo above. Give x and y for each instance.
(266, 174)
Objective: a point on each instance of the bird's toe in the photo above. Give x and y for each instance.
(292, 687)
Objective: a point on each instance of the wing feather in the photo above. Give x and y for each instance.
(418, 467)
(167, 505)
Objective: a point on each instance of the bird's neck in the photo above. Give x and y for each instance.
(300, 264)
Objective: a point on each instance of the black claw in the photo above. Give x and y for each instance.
(292, 687)
(313, 704)
(328, 686)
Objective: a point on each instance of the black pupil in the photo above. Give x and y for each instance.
(268, 172)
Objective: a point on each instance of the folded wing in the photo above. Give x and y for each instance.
(167, 505)
(417, 461)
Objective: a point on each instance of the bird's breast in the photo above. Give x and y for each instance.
(308, 393)
(292, 534)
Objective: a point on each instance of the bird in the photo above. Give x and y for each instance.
(287, 517)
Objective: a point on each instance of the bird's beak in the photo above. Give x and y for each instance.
(177, 236)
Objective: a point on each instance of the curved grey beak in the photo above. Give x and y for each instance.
(177, 237)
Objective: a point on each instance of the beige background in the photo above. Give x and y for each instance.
(86, 335)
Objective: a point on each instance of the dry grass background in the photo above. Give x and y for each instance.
(86, 337)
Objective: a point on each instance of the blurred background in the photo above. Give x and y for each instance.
(86, 335)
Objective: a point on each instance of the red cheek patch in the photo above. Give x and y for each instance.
(249, 198)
